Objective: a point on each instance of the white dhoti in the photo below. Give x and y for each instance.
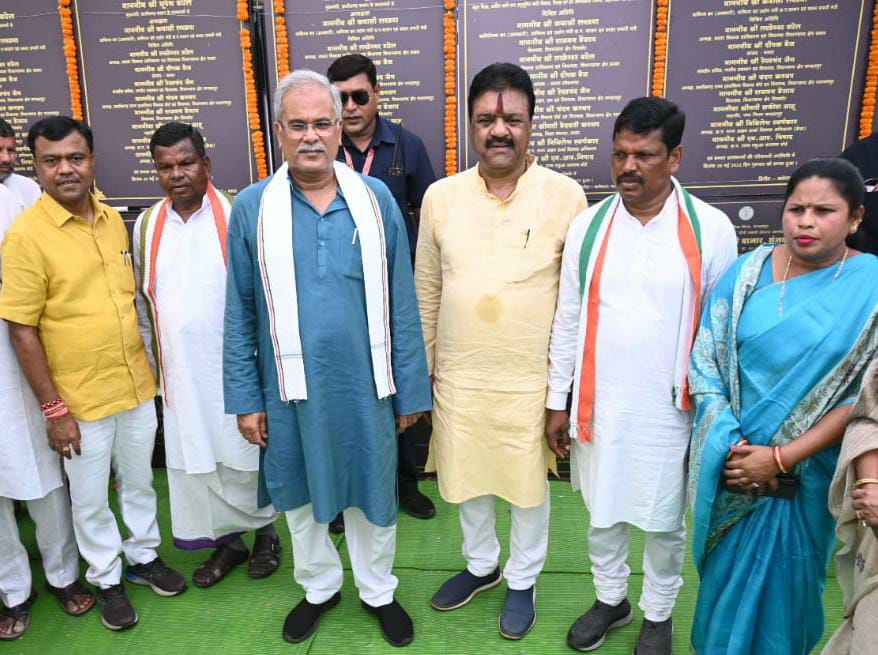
(212, 509)
(212, 470)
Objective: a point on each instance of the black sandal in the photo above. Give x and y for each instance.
(68, 594)
(20, 614)
(266, 556)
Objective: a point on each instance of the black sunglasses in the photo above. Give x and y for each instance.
(360, 97)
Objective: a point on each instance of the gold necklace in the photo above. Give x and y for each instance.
(783, 283)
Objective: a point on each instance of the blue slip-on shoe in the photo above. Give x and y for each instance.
(461, 589)
(519, 613)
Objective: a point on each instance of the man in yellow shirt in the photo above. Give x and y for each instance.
(487, 269)
(68, 296)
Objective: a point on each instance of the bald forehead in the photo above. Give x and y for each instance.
(309, 96)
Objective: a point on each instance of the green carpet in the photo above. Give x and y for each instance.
(244, 616)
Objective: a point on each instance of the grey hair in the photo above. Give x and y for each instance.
(298, 79)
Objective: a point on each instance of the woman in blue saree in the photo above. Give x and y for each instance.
(784, 341)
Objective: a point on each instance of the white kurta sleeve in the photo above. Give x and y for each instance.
(565, 326)
(143, 321)
(428, 277)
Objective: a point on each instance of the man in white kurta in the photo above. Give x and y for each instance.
(487, 269)
(25, 190)
(30, 471)
(634, 271)
(179, 248)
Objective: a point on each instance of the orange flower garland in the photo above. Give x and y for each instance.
(661, 47)
(257, 137)
(72, 65)
(282, 39)
(449, 49)
(867, 113)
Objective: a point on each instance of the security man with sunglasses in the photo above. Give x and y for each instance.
(375, 146)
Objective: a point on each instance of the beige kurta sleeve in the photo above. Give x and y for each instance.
(428, 276)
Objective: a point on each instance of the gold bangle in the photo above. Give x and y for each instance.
(862, 482)
(779, 460)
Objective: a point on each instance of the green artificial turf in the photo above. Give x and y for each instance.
(244, 616)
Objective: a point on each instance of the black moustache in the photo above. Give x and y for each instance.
(499, 142)
(630, 178)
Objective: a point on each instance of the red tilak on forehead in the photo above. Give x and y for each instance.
(498, 109)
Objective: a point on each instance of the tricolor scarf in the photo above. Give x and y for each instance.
(278, 272)
(150, 241)
(591, 266)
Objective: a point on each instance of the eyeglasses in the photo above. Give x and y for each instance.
(360, 97)
(322, 127)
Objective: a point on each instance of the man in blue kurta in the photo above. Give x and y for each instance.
(323, 354)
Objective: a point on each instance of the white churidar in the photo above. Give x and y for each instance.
(528, 540)
(663, 554)
(54, 532)
(317, 566)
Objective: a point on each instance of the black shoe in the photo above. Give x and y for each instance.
(590, 629)
(396, 624)
(116, 610)
(418, 505)
(655, 638)
(157, 576)
(336, 525)
(304, 618)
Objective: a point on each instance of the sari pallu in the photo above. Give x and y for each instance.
(768, 378)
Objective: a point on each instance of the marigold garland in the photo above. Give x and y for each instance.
(281, 39)
(70, 58)
(867, 113)
(257, 137)
(660, 50)
(449, 49)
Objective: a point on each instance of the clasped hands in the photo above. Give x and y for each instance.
(753, 467)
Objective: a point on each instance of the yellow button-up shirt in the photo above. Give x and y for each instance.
(75, 283)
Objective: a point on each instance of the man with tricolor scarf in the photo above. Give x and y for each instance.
(636, 270)
(180, 264)
(324, 357)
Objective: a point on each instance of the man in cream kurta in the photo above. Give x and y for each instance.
(635, 269)
(179, 248)
(31, 471)
(487, 269)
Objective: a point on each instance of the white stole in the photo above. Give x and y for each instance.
(278, 272)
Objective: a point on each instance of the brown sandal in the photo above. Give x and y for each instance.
(20, 615)
(67, 597)
(266, 556)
